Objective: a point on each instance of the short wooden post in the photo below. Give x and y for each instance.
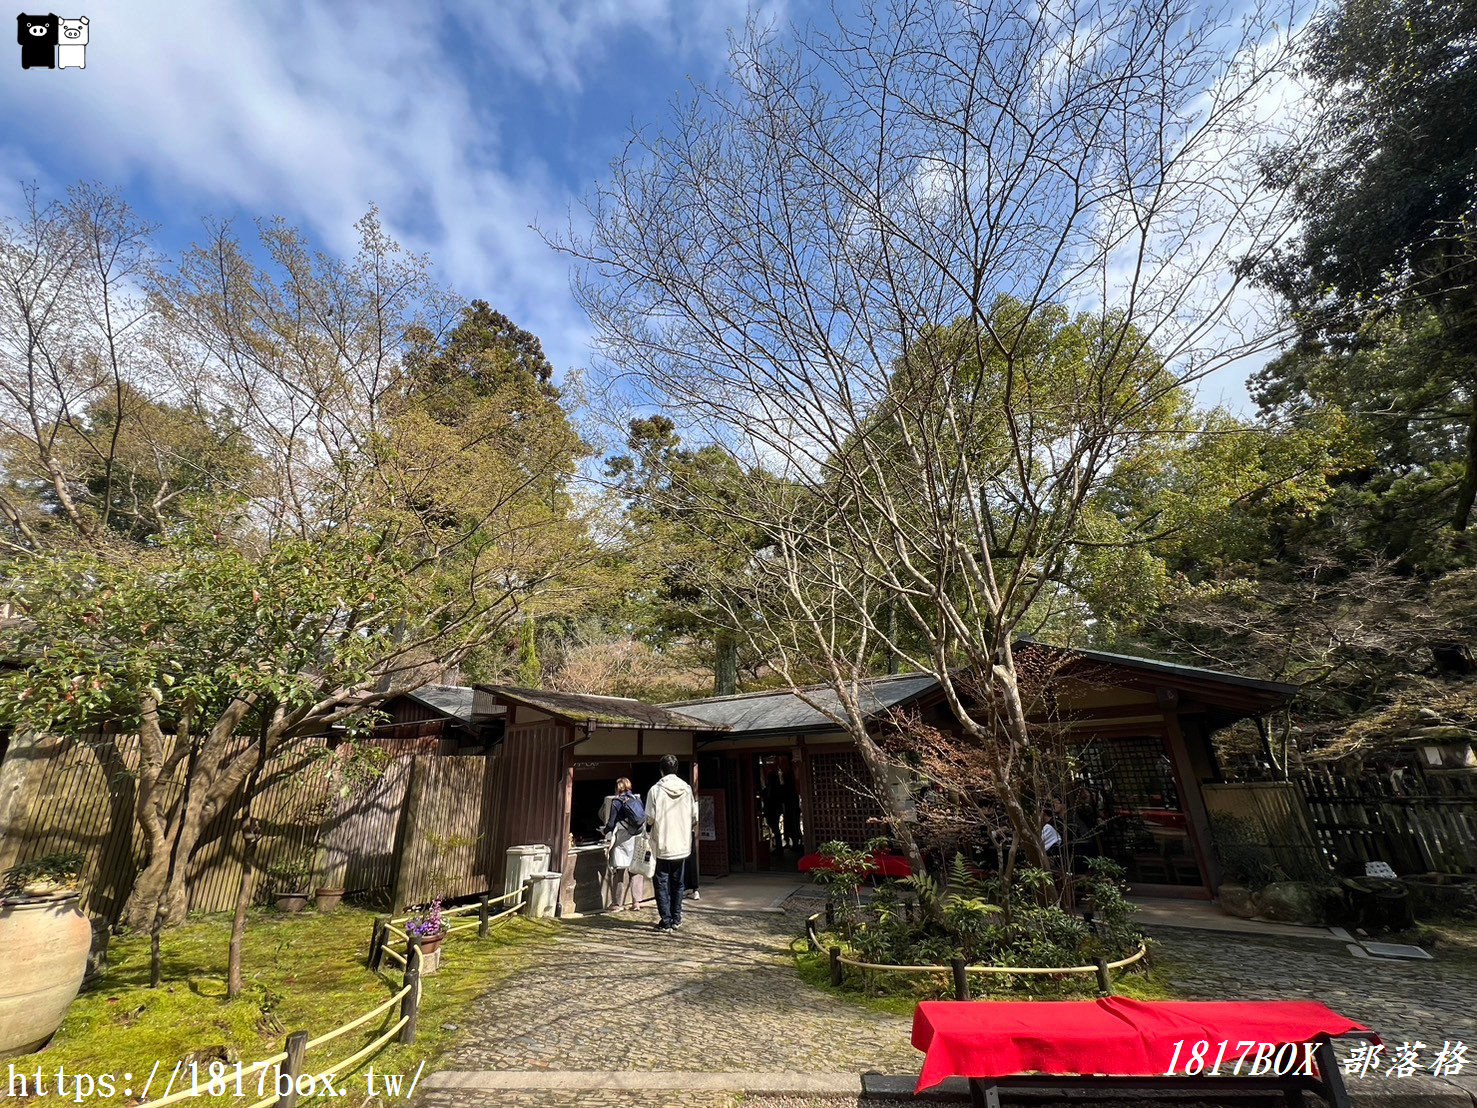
(830, 915)
(295, 1047)
(528, 897)
(482, 917)
(410, 1002)
(908, 910)
(377, 939)
(1104, 982)
(961, 979)
(836, 968)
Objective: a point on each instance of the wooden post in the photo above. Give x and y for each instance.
(830, 915)
(296, 1047)
(1104, 982)
(482, 914)
(836, 968)
(908, 910)
(1334, 1090)
(961, 979)
(410, 1002)
(377, 943)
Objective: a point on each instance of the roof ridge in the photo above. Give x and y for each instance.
(789, 689)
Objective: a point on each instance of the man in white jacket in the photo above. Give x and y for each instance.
(671, 821)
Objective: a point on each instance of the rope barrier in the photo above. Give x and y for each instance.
(383, 950)
(194, 1090)
(349, 1062)
(365, 1018)
(1130, 960)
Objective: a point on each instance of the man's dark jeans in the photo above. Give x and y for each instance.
(669, 889)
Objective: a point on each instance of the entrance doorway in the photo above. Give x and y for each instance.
(1132, 811)
(765, 793)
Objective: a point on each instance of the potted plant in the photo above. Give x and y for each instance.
(431, 929)
(43, 930)
(291, 884)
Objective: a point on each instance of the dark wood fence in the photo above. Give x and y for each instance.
(1424, 823)
(415, 829)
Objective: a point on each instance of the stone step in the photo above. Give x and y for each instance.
(645, 1081)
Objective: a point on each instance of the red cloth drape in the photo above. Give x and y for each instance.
(1113, 1035)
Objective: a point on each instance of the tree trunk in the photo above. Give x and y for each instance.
(1467, 491)
(725, 663)
(238, 921)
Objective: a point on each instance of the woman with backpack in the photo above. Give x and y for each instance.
(625, 829)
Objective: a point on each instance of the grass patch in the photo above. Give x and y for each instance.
(897, 994)
(301, 972)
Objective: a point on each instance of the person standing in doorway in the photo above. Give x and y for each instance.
(624, 822)
(671, 820)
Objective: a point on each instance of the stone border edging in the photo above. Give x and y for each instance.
(664, 1081)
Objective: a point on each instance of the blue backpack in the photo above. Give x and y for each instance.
(630, 813)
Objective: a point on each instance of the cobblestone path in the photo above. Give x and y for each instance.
(722, 997)
(719, 996)
(1399, 999)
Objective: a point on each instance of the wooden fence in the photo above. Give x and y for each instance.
(415, 829)
(1418, 823)
(1275, 822)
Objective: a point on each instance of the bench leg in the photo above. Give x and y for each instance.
(982, 1095)
(1328, 1070)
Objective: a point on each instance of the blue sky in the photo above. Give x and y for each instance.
(463, 123)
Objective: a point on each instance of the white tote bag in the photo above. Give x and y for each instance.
(643, 858)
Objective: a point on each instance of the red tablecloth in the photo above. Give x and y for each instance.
(883, 865)
(1113, 1035)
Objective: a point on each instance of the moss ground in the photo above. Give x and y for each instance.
(300, 972)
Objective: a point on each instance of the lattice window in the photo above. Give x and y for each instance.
(845, 803)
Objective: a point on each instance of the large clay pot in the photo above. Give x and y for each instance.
(44, 944)
(328, 897)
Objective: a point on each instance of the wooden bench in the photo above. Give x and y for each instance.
(1114, 1044)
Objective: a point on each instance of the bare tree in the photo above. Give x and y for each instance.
(939, 274)
(73, 321)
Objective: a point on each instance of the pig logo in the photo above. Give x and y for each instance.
(71, 49)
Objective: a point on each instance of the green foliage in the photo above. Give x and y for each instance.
(969, 918)
(59, 869)
(193, 625)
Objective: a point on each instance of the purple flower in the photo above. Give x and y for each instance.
(428, 925)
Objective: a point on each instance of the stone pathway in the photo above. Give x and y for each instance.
(720, 999)
(1401, 1000)
(720, 996)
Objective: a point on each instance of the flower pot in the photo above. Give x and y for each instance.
(431, 945)
(45, 941)
(291, 902)
(328, 898)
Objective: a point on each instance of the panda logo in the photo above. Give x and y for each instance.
(37, 35)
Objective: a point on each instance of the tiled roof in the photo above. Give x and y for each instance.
(612, 711)
(789, 710)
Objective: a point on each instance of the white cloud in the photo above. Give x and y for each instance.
(316, 112)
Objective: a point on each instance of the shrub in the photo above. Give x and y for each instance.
(55, 872)
(969, 918)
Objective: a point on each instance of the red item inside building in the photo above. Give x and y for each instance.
(883, 865)
(1114, 1035)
